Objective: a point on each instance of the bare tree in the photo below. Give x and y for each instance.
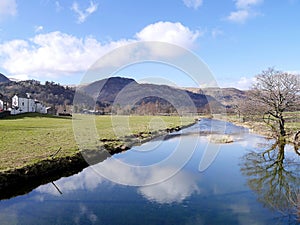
(274, 93)
(248, 109)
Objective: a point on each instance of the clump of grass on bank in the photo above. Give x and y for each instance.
(29, 138)
(220, 138)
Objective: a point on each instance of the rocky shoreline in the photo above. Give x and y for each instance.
(20, 181)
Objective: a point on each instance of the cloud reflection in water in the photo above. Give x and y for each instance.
(174, 189)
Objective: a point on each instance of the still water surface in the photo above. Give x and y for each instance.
(147, 185)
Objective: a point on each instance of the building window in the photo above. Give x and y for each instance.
(22, 103)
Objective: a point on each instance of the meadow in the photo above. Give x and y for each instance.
(29, 138)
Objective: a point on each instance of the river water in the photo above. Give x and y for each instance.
(182, 179)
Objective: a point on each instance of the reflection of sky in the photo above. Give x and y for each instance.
(175, 189)
(87, 180)
(223, 175)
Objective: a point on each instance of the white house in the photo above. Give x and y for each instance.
(25, 105)
(1, 105)
(40, 108)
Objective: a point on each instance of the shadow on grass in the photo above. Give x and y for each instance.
(23, 180)
(34, 115)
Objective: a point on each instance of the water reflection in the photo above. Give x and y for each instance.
(86, 180)
(85, 215)
(175, 189)
(275, 177)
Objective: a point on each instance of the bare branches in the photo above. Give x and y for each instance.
(274, 93)
(276, 89)
(294, 198)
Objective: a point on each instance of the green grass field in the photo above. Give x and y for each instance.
(29, 138)
(292, 121)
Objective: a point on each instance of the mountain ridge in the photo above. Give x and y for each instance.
(108, 93)
(127, 92)
(3, 78)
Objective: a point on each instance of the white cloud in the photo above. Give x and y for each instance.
(58, 7)
(243, 83)
(38, 29)
(244, 10)
(92, 8)
(7, 8)
(18, 77)
(52, 55)
(83, 14)
(174, 33)
(239, 16)
(195, 4)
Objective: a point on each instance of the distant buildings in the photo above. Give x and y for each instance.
(4, 103)
(25, 104)
(22, 104)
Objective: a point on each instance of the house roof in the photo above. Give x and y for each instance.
(4, 98)
(22, 95)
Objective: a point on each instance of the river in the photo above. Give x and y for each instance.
(183, 178)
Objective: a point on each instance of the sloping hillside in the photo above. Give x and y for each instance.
(109, 88)
(3, 78)
(124, 92)
(116, 93)
(226, 96)
(49, 93)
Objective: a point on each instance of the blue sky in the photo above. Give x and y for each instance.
(60, 40)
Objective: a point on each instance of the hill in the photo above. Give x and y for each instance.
(226, 96)
(3, 78)
(109, 87)
(50, 93)
(123, 94)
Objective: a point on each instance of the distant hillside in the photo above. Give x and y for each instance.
(124, 92)
(226, 96)
(124, 95)
(109, 87)
(49, 93)
(3, 78)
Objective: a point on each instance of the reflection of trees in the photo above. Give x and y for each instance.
(275, 177)
(294, 197)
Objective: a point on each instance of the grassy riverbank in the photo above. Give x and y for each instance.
(30, 138)
(292, 124)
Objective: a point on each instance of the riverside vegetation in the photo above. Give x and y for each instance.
(256, 125)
